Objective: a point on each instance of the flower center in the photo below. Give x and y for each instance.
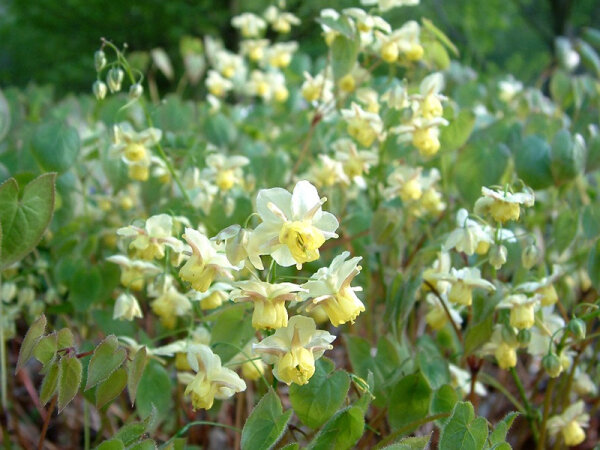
(302, 239)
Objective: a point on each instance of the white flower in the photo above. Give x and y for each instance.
(281, 21)
(363, 126)
(250, 25)
(127, 308)
(385, 5)
(521, 309)
(224, 171)
(169, 303)
(149, 242)
(293, 226)
(461, 379)
(330, 288)
(436, 316)
(463, 282)
(470, 237)
(134, 273)
(540, 335)
(502, 205)
(213, 297)
(218, 85)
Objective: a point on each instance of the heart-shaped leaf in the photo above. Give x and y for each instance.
(107, 357)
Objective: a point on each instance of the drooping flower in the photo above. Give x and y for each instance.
(436, 316)
(365, 127)
(211, 380)
(294, 349)
(463, 282)
(504, 352)
(521, 309)
(213, 297)
(127, 307)
(470, 236)
(502, 205)
(134, 150)
(330, 288)
(149, 242)
(169, 303)
(280, 21)
(252, 367)
(206, 262)
(134, 273)
(461, 380)
(544, 287)
(225, 171)
(293, 226)
(570, 424)
(249, 24)
(268, 299)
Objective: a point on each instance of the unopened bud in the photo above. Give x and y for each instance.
(552, 365)
(114, 79)
(530, 256)
(577, 327)
(99, 90)
(135, 91)
(498, 256)
(99, 60)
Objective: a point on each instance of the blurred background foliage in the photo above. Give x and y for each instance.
(52, 42)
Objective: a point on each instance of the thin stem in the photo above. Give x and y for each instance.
(439, 297)
(490, 381)
(3, 365)
(546, 413)
(528, 408)
(46, 423)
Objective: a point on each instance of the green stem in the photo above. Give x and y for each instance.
(546, 413)
(3, 365)
(528, 408)
(486, 379)
(159, 147)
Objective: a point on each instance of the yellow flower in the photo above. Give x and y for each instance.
(463, 282)
(302, 239)
(363, 126)
(268, 299)
(521, 310)
(570, 424)
(211, 380)
(127, 308)
(205, 263)
(330, 289)
(149, 242)
(506, 356)
(170, 303)
(502, 206)
(134, 273)
(294, 349)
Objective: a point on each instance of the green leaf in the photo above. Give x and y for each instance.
(266, 424)
(479, 164)
(64, 338)
(49, 383)
(45, 349)
(107, 357)
(131, 432)
(560, 88)
(24, 220)
(591, 221)
(219, 130)
(532, 161)
(443, 401)
(463, 430)
(55, 146)
(146, 444)
(456, 134)
(432, 363)
(411, 443)
(112, 444)
(409, 400)
(154, 391)
(436, 55)
(68, 381)
(36, 330)
(344, 52)
(110, 388)
(478, 334)
(135, 370)
(439, 34)
(592, 35)
(84, 287)
(4, 116)
(567, 157)
(565, 229)
(594, 266)
(231, 327)
(319, 399)
(498, 436)
(342, 431)
(589, 57)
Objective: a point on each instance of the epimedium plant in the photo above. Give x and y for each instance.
(376, 249)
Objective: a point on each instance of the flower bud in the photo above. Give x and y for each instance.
(99, 60)
(99, 90)
(577, 327)
(114, 79)
(135, 91)
(524, 337)
(552, 365)
(498, 256)
(530, 256)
